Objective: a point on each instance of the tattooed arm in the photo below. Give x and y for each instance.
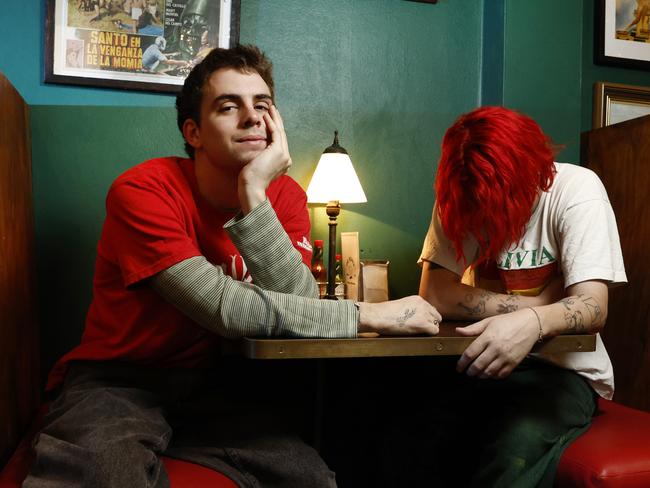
(504, 341)
(584, 311)
(455, 300)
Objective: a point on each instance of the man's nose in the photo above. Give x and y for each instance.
(251, 117)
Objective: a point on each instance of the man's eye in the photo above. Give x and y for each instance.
(227, 108)
(262, 107)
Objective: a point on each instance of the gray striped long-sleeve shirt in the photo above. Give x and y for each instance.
(282, 302)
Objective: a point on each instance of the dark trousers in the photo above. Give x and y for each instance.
(418, 423)
(112, 421)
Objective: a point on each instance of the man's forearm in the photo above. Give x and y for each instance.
(457, 301)
(234, 309)
(272, 260)
(475, 303)
(576, 314)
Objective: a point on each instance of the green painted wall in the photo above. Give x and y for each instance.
(76, 153)
(538, 58)
(390, 75)
(542, 67)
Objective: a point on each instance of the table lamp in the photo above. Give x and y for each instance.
(334, 182)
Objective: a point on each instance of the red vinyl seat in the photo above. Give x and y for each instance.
(181, 474)
(613, 453)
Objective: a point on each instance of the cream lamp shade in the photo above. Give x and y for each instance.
(335, 178)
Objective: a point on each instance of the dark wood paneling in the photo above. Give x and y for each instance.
(620, 155)
(18, 333)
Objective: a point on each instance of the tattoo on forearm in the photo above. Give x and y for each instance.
(508, 304)
(486, 295)
(475, 304)
(505, 307)
(408, 313)
(574, 321)
(567, 302)
(593, 307)
(476, 310)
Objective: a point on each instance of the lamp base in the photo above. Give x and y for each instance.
(333, 209)
(340, 291)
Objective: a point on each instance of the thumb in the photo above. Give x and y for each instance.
(472, 330)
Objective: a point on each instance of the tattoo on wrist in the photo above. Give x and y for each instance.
(408, 313)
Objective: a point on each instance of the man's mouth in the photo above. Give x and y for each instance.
(252, 139)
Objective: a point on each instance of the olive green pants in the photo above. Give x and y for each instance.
(420, 423)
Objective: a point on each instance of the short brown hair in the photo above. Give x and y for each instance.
(245, 58)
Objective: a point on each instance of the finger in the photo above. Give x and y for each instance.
(435, 317)
(271, 128)
(482, 363)
(436, 314)
(433, 327)
(470, 354)
(277, 119)
(492, 370)
(473, 330)
(505, 371)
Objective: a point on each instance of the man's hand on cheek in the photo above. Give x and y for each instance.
(272, 162)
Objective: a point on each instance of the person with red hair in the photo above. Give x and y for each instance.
(525, 248)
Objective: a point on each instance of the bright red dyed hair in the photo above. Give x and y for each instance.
(494, 162)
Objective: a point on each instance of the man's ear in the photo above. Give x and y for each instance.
(192, 133)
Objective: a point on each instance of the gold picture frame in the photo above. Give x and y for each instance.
(616, 102)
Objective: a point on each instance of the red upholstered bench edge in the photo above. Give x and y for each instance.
(613, 453)
(182, 474)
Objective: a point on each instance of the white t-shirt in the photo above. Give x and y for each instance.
(572, 231)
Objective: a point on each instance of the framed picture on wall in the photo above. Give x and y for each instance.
(622, 33)
(134, 44)
(615, 102)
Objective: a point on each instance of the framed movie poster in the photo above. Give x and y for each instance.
(623, 33)
(134, 44)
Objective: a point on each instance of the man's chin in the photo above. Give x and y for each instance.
(246, 157)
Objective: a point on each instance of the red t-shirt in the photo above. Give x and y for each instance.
(156, 218)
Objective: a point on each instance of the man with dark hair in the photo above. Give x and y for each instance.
(191, 250)
(526, 248)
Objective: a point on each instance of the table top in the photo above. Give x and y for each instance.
(446, 343)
